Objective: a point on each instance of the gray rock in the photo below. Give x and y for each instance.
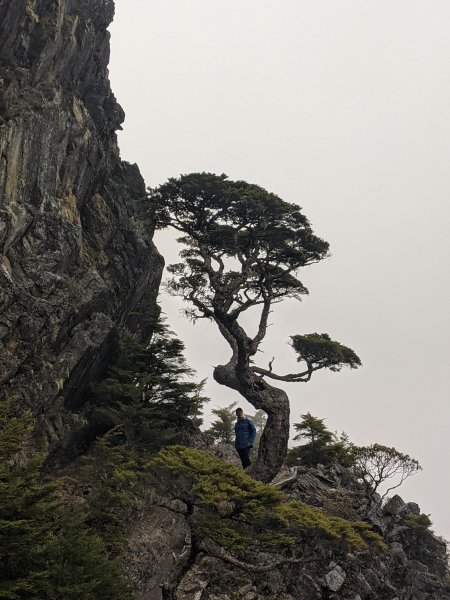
(372, 578)
(410, 508)
(418, 566)
(195, 580)
(248, 587)
(397, 550)
(335, 578)
(159, 545)
(393, 506)
(363, 584)
(77, 262)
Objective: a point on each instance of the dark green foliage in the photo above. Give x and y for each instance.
(318, 350)
(322, 446)
(146, 401)
(26, 506)
(147, 396)
(110, 472)
(420, 522)
(222, 429)
(46, 550)
(229, 216)
(313, 429)
(245, 515)
(83, 569)
(241, 220)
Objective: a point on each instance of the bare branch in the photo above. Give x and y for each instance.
(219, 552)
(290, 377)
(262, 327)
(243, 306)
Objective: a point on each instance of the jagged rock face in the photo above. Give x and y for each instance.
(164, 559)
(76, 259)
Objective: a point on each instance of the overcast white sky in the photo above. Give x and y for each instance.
(344, 108)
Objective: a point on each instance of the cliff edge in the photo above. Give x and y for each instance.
(78, 268)
(76, 257)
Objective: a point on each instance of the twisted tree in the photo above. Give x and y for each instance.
(376, 464)
(243, 249)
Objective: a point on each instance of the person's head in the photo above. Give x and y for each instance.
(239, 413)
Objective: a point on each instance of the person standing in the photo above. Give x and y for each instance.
(245, 432)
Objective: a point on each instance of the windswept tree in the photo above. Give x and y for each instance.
(376, 464)
(243, 250)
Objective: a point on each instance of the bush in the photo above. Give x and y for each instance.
(46, 550)
(242, 514)
(419, 521)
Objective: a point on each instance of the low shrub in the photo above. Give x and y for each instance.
(242, 514)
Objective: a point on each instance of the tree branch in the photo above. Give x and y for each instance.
(262, 327)
(290, 377)
(219, 552)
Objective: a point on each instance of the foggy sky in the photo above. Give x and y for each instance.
(344, 108)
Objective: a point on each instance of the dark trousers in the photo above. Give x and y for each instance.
(244, 455)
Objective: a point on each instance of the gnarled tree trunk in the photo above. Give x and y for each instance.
(273, 401)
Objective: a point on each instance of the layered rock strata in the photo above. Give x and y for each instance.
(77, 264)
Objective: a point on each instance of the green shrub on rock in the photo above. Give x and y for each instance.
(421, 521)
(242, 514)
(46, 549)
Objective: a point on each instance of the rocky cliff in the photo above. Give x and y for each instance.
(78, 267)
(77, 263)
(168, 556)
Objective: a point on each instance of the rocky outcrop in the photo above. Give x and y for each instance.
(78, 268)
(165, 560)
(77, 264)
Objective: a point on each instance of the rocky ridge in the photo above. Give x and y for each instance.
(165, 558)
(76, 258)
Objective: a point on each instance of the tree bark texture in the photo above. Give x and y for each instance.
(273, 401)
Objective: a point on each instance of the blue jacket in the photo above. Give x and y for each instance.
(245, 433)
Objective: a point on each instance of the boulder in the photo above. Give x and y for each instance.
(393, 506)
(335, 578)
